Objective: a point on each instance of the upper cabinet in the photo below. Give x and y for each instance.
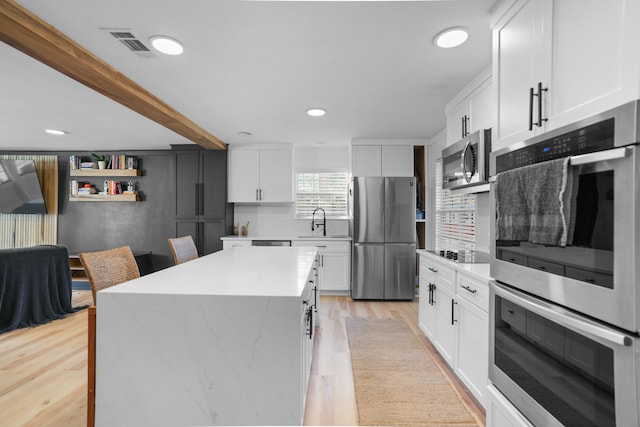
(552, 68)
(472, 109)
(382, 160)
(260, 176)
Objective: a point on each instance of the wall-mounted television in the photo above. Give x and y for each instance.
(20, 191)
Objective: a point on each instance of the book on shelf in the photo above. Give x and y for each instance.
(86, 190)
(115, 161)
(121, 161)
(73, 187)
(114, 187)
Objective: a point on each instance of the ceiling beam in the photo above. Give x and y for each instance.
(31, 35)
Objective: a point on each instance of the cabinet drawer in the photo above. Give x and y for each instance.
(235, 243)
(473, 290)
(437, 270)
(325, 245)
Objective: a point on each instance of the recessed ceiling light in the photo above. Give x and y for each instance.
(166, 45)
(451, 37)
(55, 132)
(244, 133)
(316, 112)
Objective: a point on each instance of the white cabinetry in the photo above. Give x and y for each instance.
(552, 69)
(453, 314)
(333, 264)
(235, 243)
(382, 160)
(435, 315)
(472, 352)
(445, 325)
(264, 175)
(366, 160)
(472, 109)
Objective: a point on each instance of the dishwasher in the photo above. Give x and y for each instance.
(271, 243)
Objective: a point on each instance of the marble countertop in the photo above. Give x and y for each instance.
(479, 270)
(287, 237)
(242, 271)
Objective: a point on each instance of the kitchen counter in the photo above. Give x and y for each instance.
(479, 270)
(219, 340)
(287, 237)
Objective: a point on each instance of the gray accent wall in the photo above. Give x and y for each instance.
(146, 225)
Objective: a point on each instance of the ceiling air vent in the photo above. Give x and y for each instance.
(128, 39)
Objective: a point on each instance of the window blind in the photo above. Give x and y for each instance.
(455, 217)
(321, 190)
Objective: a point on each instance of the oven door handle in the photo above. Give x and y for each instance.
(562, 316)
(599, 156)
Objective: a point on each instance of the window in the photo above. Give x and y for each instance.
(321, 190)
(455, 217)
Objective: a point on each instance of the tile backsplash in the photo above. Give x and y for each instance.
(267, 220)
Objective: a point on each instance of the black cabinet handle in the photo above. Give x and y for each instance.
(540, 90)
(315, 298)
(539, 95)
(468, 289)
(453, 320)
(531, 108)
(310, 322)
(433, 269)
(432, 291)
(197, 192)
(257, 194)
(200, 195)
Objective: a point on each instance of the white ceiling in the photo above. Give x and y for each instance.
(249, 66)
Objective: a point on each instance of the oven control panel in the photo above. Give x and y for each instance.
(596, 137)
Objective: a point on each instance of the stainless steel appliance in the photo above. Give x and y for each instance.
(384, 237)
(564, 307)
(597, 272)
(559, 367)
(465, 163)
(271, 243)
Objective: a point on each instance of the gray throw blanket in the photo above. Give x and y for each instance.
(536, 203)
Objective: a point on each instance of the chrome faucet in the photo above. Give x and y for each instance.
(324, 221)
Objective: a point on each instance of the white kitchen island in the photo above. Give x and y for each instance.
(221, 340)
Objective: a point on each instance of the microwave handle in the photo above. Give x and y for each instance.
(562, 317)
(462, 162)
(599, 156)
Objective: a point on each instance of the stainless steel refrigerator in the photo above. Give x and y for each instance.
(384, 238)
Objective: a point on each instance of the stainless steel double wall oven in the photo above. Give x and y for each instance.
(565, 304)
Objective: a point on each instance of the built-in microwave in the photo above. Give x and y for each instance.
(466, 163)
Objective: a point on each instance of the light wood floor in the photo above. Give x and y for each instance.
(43, 370)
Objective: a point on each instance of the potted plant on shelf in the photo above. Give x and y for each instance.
(101, 159)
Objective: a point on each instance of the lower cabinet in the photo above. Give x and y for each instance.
(334, 264)
(235, 243)
(427, 315)
(446, 330)
(472, 353)
(453, 314)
